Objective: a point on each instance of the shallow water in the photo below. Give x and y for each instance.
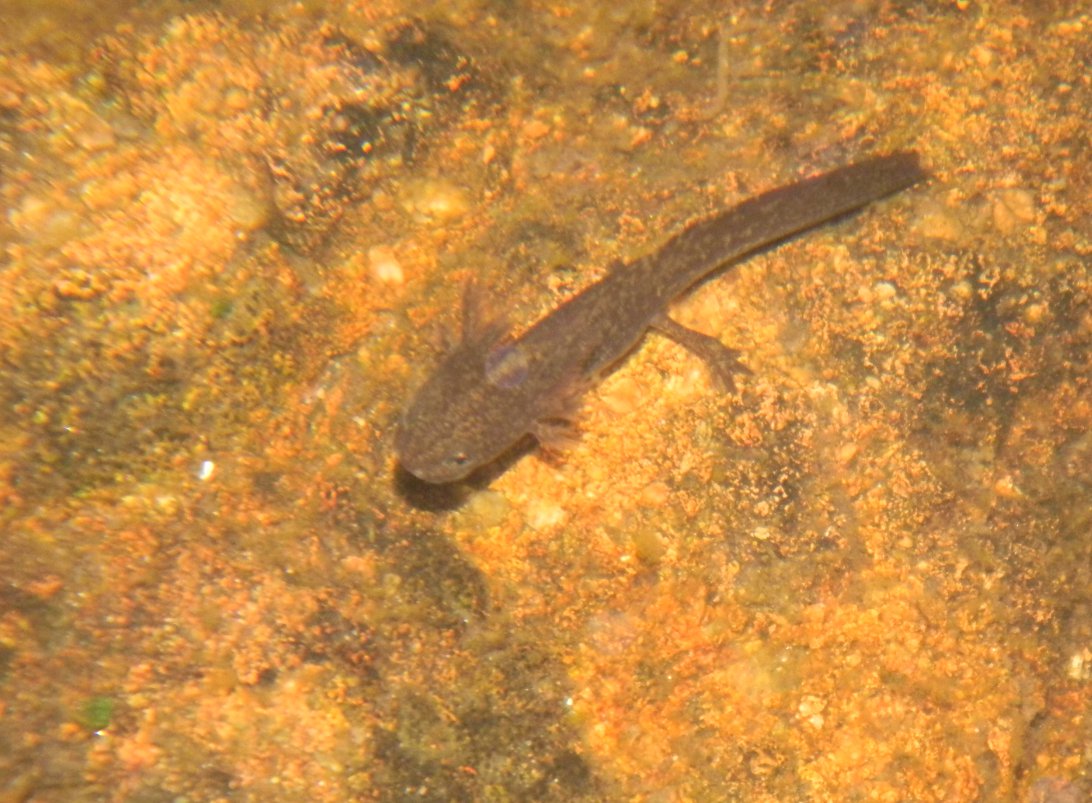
(234, 242)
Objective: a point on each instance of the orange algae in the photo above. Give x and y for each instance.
(866, 577)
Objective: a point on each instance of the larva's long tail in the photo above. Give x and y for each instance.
(777, 215)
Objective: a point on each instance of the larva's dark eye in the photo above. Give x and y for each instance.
(460, 459)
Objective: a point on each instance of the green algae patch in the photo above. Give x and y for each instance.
(97, 713)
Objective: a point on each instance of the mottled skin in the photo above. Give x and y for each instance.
(493, 390)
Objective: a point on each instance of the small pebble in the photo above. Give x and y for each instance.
(488, 508)
(940, 223)
(436, 198)
(1013, 208)
(384, 266)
